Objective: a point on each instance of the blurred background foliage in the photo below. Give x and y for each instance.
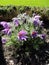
(8, 12)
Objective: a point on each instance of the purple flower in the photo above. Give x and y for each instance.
(34, 34)
(5, 24)
(37, 17)
(37, 22)
(16, 21)
(22, 35)
(4, 40)
(7, 31)
(42, 36)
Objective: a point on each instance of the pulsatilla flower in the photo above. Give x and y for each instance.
(37, 16)
(7, 31)
(16, 21)
(4, 40)
(5, 24)
(22, 35)
(34, 34)
(42, 36)
(36, 21)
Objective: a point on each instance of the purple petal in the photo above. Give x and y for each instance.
(7, 31)
(37, 16)
(5, 24)
(42, 36)
(16, 21)
(34, 34)
(35, 23)
(23, 32)
(22, 35)
(3, 40)
(22, 38)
